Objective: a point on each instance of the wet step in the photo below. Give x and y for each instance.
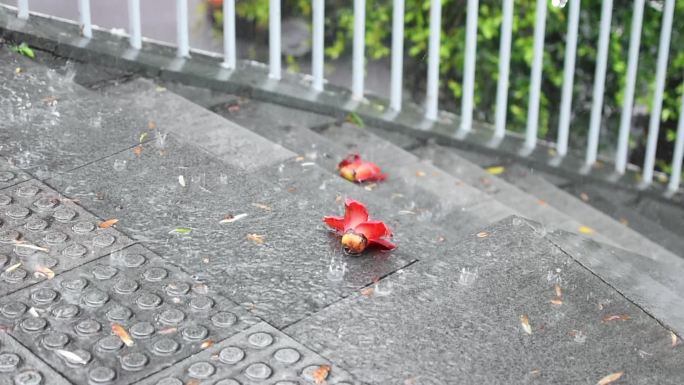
(53, 125)
(663, 230)
(511, 307)
(621, 234)
(409, 175)
(486, 181)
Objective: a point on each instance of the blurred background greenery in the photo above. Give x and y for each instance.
(338, 38)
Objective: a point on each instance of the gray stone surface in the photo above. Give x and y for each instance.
(201, 96)
(167, 315)
(40, 229)
(282, 279)
(624, 213)
(622, 235)
(530, 206)
(10, 175)
(193, 124)
(669, 215)
(52, 124)
(458, 320)
(21, 367)
(258, 355)
(408, 174)
(656, 288)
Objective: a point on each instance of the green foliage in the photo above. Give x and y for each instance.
(24, 49)
(339, 32)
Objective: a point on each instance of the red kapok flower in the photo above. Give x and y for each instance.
(355, 169)
(357, 231)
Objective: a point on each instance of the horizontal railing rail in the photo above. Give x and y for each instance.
(431, 110)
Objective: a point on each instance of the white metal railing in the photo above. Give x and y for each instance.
(467, 102)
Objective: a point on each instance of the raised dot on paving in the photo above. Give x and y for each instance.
(236, 360)
(18, 366)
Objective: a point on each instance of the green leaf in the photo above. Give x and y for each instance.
(181, 230)
(24, 49)
(355, 119)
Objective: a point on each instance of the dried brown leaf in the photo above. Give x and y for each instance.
(673, 337)
(71, 357)
(137, 150)
(262, 206)
(584, 197)
(256, 238)
(320, 374)
(207, 344)
(45, 272)
(367, 291)
(616, 317)
(151, 125)
(123, 335)
(482, 234)
(609, 379)
(370, 187)
(556, 301)
(108, 223)
(525, 322)
(168, 331)
(420, 173)
(557, 289)
(542, 202)
(13, 267)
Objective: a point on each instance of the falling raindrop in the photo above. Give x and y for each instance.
(580, 337)
(559, 3)
(223, 179)
(467, 276)
(119, 164)
(383, 286)
(336, 268)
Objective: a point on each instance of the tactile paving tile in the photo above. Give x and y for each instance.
(19, 367)
(167, 315)
(258, 355)
(10, 175)
(34, 215)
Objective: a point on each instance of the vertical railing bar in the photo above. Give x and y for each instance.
(84, 18)
(23, 9)
(469, 66)
(628, 102)
(599, 82)
(229, 46)
(318, 15)
(182, 28)
(397, 55)
(432, 94)
(359, 58)
(536, 77)
(568, 79)
(656, 109)
(504, 69)
(678, 155)
(274, 32)
(134, 25)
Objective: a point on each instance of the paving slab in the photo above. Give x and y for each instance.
(504, 192)
(627, 215)
(669, 215)
(656, 288)
(408, 174)
(193, 124)
(52, 125)
(596, 220)
(258, 355)
(166, 316)
(283, 276)
(18, 366)
(40, 229)
(485, 316)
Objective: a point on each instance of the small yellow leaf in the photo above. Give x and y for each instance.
(142, 137)
(319, 375)
(558, 291)
(525, 322)
(13, 267)
(108, 223)
(609, 379)
(256, 238)
(495, 170)
(585, 230)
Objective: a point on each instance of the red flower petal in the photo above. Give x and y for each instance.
(382, 244)
(368, 171)
(373, 230)
(355, 213)
(335, 223)
(350, 159)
